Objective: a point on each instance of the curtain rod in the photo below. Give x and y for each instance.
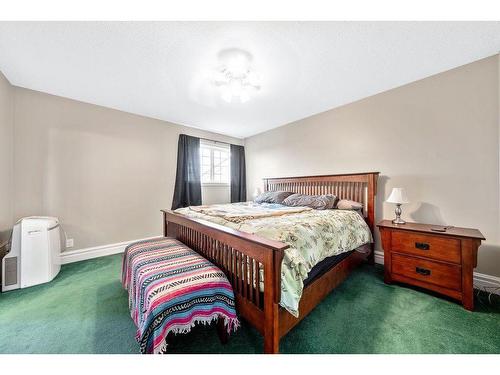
(211, 140)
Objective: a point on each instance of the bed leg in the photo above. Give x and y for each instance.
(222, 331)
(371, 256)
(170, 338)
(271, 331)
(271, 344)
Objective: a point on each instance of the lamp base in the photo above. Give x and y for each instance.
(398, 220)
(398, 211)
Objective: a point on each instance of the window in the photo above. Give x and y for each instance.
(214, 163)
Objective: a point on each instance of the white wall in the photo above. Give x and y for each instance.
(6, 158)
(213, 194)
(438, 138)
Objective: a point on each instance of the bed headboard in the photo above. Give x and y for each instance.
(359, 187)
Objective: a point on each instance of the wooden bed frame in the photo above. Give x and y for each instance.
(233, 251)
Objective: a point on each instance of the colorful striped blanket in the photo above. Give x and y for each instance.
(171, 288)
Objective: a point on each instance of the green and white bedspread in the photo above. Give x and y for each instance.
(313, 235)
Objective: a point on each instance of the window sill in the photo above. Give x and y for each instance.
(214, 184)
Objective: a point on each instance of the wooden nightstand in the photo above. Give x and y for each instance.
(438, 261)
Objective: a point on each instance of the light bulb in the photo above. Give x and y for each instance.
(253, 79)
(244, 97)
(234, 77)
(237, 66)
(226, 94)
(236, 88)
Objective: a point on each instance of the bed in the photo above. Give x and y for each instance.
(253, 263)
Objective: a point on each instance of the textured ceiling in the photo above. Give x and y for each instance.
(160, 69)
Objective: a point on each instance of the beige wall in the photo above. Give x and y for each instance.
(104, 173)
(438, 138)
(6, 158)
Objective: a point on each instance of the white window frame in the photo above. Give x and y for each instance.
(212, 145)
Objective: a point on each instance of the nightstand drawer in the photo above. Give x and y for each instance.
(428, 246)
(444, 275)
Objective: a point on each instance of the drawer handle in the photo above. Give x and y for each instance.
(423, 271)
(422, 245)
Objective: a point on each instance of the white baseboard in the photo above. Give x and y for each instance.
(487, 282)
(96, 252)
(481, 280)
(379, 257)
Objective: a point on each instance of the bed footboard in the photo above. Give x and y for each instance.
(241, 256)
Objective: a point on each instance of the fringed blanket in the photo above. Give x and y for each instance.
(171, 288)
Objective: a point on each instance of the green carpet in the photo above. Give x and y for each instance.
(84, 310)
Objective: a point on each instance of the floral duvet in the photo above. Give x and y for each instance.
(312, 235)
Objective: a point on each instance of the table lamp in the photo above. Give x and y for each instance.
(256, 193)
(398, 196)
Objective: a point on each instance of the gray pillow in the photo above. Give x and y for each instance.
(272, 197)
(318, 202)
(346, 204)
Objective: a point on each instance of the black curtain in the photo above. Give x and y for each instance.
(188, 178)
(238, 176)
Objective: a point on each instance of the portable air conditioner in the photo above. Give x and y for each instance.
(34, 256)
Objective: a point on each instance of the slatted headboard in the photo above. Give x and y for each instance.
(359, 187)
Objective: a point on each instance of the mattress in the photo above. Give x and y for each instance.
(328, 263)
(324, 266)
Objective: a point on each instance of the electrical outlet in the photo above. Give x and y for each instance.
(69, 243)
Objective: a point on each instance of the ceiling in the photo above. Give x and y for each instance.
(162, 69)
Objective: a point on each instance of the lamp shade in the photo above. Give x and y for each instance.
(398, 195)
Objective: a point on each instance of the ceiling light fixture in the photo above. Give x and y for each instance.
(235, 77)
